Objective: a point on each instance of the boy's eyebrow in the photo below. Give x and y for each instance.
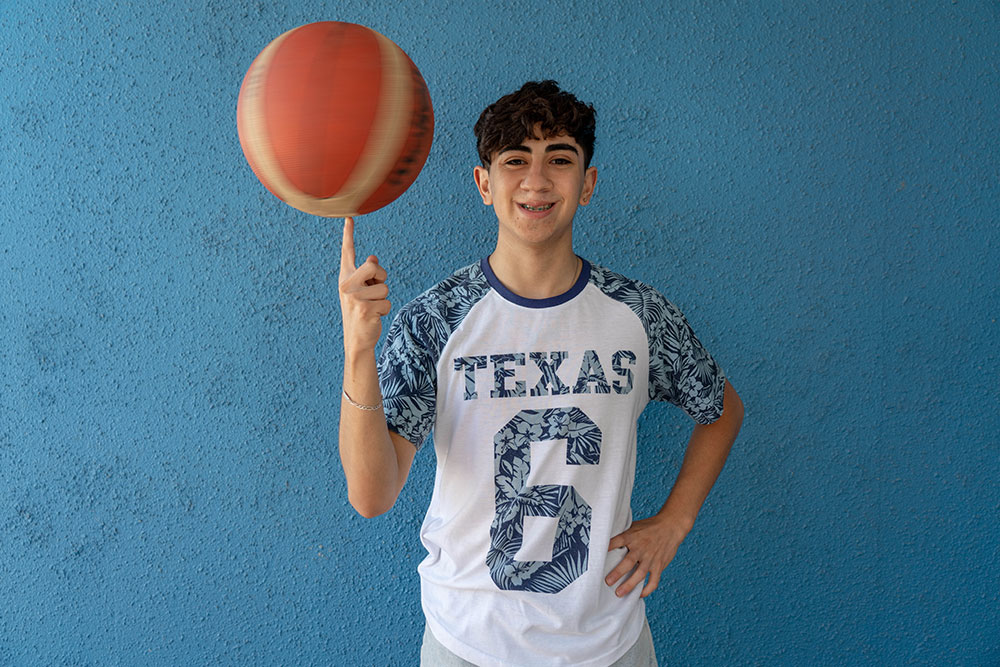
(551, 148)
(561, 147)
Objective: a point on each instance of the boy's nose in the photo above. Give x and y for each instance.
(536, 178)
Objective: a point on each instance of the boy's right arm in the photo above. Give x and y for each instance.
(376, 461)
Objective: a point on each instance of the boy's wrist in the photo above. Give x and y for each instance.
(680, 520)
(357, 354)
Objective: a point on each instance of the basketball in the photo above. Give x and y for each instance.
(334, 119)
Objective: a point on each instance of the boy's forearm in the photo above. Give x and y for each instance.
(367, 452)
(704, 459)
(651, 543)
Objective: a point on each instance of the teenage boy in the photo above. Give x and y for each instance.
(531, 368)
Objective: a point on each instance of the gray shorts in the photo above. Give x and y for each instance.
(433, 654)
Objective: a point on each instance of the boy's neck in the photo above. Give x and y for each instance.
(540, 274)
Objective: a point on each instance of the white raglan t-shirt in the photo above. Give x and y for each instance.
(533, 405)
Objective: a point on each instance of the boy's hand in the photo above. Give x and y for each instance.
(363, 295)
(651, 544)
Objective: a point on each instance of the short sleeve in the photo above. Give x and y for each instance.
(682, 371)
(407, 372)
(407, 368)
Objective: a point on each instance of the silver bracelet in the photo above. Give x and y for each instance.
(359, 406)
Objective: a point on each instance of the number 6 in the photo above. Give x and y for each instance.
(515, 500)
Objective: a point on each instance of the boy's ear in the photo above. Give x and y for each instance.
(482, 176)
(589, 182)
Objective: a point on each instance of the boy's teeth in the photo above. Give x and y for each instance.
(537, 208)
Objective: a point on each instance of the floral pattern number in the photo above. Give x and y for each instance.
(516, 500)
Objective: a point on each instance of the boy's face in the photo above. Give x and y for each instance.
(535, 189)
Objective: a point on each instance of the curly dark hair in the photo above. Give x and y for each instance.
(512, 119)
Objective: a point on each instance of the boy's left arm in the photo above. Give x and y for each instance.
(652, 542)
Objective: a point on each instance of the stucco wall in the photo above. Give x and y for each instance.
(816, 185)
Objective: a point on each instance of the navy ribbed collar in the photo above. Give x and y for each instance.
(495, 283)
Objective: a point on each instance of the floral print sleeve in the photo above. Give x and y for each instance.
(686, 374)
(408, 365)
(681, 371)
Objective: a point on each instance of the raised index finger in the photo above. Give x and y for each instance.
(347, 258)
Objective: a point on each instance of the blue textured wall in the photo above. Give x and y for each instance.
(816, 187)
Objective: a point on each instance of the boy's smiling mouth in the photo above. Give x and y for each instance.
(542, 207)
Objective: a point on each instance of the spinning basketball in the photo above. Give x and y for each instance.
(334, 119)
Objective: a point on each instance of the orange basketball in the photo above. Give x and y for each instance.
(334, 119)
